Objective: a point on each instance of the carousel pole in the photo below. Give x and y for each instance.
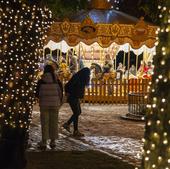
(67, 60)
(124, 58)
(103, 56)
(92, 53)
(128, 60)
(84, 52)
(137, 56)
(115, 61)
(57, 55)
(128, 66)
(144, 54)
(113, 58)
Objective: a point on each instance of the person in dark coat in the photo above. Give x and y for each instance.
(75, 90)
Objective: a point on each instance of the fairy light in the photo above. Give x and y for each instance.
(146, 158)
(24, 30)
(163, 62)
(165, 142)
(152, 146)
(158, 122)
(159, 159)
(154, 105)
(156, 151)
(163, 100)
(143, 118)
(149, 123)
(153, 166)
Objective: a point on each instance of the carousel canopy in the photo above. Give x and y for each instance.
(104, 26)
(95, 51)
(81, 46)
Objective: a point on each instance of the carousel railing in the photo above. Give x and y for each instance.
(114, 91)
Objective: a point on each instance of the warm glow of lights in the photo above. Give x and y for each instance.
(156, 152)
(22, 43)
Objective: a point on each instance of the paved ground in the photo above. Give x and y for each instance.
(104, 131)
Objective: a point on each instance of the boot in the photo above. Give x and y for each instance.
(77, 134)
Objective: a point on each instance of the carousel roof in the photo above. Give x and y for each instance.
(105, 16)
(104, 26)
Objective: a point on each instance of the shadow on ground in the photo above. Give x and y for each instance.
(74, 160)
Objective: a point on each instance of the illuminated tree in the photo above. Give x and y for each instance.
(150, 10)
(146, 8)
(23, 30)
(65, 8)
(156, 153)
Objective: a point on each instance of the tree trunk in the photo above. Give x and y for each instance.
(12, 148)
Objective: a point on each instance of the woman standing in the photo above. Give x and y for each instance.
(50, 99)
(75, 89)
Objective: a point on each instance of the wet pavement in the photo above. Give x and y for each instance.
(127, 149)
(124, 148)
(63, 143)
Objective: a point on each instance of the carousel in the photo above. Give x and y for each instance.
(117, 47)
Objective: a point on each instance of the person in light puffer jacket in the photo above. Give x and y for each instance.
(50, 93)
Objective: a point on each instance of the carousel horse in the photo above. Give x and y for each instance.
(64, 72)
(96, 70)
(98, 73)
(108, 72)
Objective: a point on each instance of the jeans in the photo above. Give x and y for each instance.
(49, 123)
(75, 106)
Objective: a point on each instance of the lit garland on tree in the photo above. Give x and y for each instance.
(156, 153)
(22, 34)
(115, 4)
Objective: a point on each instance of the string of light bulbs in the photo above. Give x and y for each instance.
(23, 32)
